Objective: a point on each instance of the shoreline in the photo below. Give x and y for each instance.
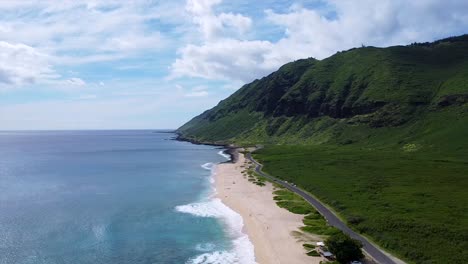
(228, 149)
(273, 231)
(233, 152)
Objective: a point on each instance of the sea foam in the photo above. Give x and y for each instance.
(217, 257)
(208, 166)
(211, 167)
(222, 153)
(205, 247)
(242, 251)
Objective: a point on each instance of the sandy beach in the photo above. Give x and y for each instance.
(274, 231)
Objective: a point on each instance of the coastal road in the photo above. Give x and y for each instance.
(332, 219)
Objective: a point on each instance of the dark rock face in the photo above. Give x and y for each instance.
(454, 99)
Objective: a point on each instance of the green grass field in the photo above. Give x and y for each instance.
(313, 221)
(413, 203)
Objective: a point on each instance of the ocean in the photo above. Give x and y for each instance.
(113, 197)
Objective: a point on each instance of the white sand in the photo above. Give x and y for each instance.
(273, 230)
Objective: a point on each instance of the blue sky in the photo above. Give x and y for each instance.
(155, 64)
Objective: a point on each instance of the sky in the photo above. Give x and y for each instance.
(156, 64)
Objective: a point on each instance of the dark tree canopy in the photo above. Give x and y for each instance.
(344, 247)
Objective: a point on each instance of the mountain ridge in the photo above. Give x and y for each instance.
(311, 101)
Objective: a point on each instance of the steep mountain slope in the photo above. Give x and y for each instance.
(392, 95)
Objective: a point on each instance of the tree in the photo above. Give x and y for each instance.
(344, 247)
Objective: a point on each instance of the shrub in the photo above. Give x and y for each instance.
(313, 253)
(344, 247)
(308, 246)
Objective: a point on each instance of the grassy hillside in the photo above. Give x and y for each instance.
(378, 134)
(360, 90)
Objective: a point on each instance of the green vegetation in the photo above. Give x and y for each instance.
(292, 202)
(313, 253)
(408, 202)
(378, 134)
(344, 247)
(308, 246)
(316, 224)
(313, 221)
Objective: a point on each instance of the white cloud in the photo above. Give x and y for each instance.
(203, 16)
(309, 33)
(241, 24)
(76, 81)
(214, 26)
(37, 37)
(223, 58)
(379, 23)
(83, 25)
(21, 64)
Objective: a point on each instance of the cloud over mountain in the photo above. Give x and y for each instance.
(309, 32)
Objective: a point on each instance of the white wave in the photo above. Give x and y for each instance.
(223, 153)
(205, 247)
(211, 208)
(208, 166)
(243, 250)
(212, 168)
(217, 257)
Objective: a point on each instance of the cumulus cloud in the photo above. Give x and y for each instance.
(226, 57)
(91, 26)
(307, 32)
(39, 36)
(21, 64)
(379, 23)
(213, 26)
(241, 24)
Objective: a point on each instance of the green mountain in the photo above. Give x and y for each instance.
(377, 134)
(398, 94)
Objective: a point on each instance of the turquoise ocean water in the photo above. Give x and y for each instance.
(113, 197)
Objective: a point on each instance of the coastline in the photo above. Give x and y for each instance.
(273, 231)
(247, 199)
(228, 149)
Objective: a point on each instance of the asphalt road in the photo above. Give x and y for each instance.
(332, 219)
